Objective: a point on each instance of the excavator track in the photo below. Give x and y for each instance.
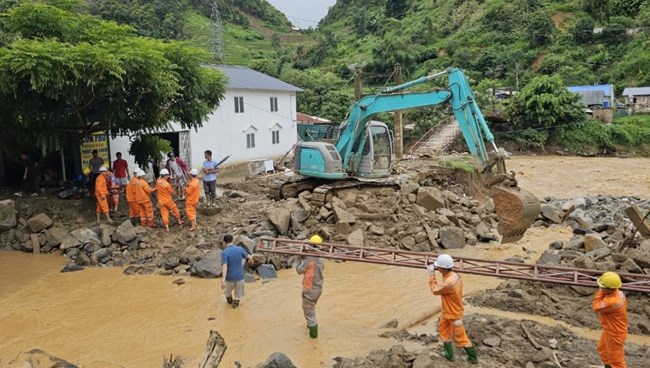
(324, 193)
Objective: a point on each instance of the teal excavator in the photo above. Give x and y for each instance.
(363, 152)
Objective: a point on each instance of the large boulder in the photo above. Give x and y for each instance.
(7, 215)
(430, 198)
(39, 222)
(343, 215)
(452, 237)
(277, 360)
(356, 238)
(85, 235)
(280, 218)
(209, 267)
(56, 235)
(125, 233)
(593, 242)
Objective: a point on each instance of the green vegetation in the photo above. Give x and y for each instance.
(65, 74)
(465, 163)
(499, 43)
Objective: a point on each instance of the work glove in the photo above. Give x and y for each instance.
(431, 268)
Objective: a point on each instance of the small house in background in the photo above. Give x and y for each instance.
(637, 98)
(256, 120)
(314, 128)
(607, 93)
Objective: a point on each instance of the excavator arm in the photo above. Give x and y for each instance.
(349, 159)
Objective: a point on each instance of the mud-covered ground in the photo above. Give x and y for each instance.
(245, 207)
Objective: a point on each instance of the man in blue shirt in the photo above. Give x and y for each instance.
(232, 272)
(210, 171)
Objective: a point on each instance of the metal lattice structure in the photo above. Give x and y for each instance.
(506, 270)
(217, 33)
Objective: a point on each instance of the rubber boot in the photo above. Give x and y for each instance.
(448, 352)
(472, 355)
(608, 366)
(313, 331)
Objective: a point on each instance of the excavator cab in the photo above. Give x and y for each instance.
(377, 153)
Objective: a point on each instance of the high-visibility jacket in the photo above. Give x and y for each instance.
(131, 188)
(192, 192)
(451, 293)
(142, 192)
(164, 191)
(101, 186)
(612, 310)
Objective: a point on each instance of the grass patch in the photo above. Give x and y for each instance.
(460, 163)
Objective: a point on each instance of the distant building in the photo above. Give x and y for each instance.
(638, 98)
(606, 89)
(255, 120)
(308, 119)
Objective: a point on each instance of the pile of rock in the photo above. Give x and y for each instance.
(602, 234)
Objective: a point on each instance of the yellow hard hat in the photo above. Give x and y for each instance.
(315, 239)
(610, 280)
(86, 170)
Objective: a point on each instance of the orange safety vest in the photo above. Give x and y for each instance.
(101, 187)
(612, 310)
(142, 191)
(131, 187)
(451, 293)
(164, 190)
(192, 191)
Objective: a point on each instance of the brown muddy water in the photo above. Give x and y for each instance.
(101, 318)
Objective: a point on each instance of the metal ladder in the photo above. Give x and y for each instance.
(501, 269)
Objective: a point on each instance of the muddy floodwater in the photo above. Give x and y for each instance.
(102, 318)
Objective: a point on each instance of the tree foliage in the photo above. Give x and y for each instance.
(68, 74)
(545, 103)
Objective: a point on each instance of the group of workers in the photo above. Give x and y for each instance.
(173, 178)
(609, 303)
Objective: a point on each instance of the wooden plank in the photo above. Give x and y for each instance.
(36, 244)
(634, 214)
(214, 351)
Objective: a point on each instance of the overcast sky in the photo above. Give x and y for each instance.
(303, 13)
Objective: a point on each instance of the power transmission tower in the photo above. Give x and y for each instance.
(217, 32)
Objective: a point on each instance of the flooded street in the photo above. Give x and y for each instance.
(101, 318)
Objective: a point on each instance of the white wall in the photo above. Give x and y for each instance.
(224, 131)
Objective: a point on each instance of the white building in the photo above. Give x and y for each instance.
(255, 120)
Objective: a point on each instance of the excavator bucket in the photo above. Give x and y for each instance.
(517, 209)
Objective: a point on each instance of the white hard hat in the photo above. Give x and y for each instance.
(136, 171)
(141, 173)
(444, 261)
(194, 172)
(102, 169)
(164, 172)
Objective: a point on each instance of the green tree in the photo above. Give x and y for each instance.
(540, 29)
(69, 74)
(545, 102)
(583, 31)
(396, 8)
(598, 9)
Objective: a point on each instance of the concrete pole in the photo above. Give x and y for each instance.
(399, 128)
(357, 83)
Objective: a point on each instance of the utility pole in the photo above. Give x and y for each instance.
(399, 142)
(357, 83)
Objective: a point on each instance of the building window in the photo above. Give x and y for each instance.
(275, 136)
(274, 104)
(250, 140)
(239, 104)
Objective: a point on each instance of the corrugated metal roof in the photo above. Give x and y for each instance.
(240, 77)
(636, 91)
(608, 89)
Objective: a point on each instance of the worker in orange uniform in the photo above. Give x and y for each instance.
(134, 209)
(143, 199)
(451, 320)
(312, 285)
(192, 192)
(611, 305)
(165, 201)
(101, 193)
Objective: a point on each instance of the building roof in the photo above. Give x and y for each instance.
(304, 118)
(608, 89)
(590, 98)
(240, 77)
(636, 91)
